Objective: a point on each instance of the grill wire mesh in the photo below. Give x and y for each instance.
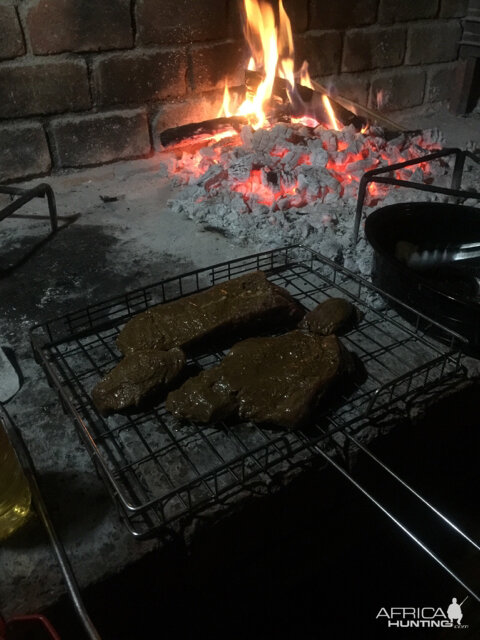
(161, 472)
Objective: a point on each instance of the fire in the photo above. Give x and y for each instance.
(272, 50)
(300, 166)
(285, 41)
(305, 79)
(261, 35)
(329, 110)
(225, 110)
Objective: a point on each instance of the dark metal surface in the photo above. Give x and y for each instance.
(159, 471)
(446, 292)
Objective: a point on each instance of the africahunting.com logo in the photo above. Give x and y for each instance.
(424, 617)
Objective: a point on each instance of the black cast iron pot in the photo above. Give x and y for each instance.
(447, 294)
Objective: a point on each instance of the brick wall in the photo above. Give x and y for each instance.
(84, 82)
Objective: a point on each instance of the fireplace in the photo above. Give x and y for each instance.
(132, 113)
(72, 77)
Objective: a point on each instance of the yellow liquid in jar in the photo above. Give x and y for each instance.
(15, 497)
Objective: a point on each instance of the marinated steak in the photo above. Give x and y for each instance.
(248, 303)
(331, 316)
(138, 375)
(275, 380)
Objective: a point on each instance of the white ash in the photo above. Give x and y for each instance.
(292, 184)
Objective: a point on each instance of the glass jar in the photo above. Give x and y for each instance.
(15, 496)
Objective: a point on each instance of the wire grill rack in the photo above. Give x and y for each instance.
(161, 472)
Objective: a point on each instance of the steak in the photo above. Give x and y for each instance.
(276, 380)
(248, 304)
(139, 375)
(331, 316)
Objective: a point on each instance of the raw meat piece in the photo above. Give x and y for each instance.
(248, 303)
(137, 376)
(331, 316)
(277, 381)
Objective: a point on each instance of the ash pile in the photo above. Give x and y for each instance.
(293, 183)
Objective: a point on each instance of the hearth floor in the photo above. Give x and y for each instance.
(116, 233)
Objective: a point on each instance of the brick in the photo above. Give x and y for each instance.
(297, 11)
(24, 151)
(11, 40)
(371, 48)
(433, 42)
(139, 77)
(173, 21)
(342, 13)
(354, 86)
(404, 10)
(45, 87)
(321, 49)
(400, 89)
(234, 19)
(212, 65)
(100, 137)
(55, 26)
(471, 29)
(453, 8)
(440, 82)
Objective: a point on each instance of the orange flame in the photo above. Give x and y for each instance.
(305, 76)
(328, 108)
(285, 45)
(261, 35)
(272, 52)
(225, 110)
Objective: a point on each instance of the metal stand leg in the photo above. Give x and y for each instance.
(25, 195)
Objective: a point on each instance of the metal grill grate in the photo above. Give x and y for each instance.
(160, 471)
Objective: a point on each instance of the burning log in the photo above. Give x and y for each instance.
(309, 100)
(305, 102)
(212, 128)
(346, 111)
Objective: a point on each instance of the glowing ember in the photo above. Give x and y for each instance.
(228, 133)
(291, 166)
(307, 121)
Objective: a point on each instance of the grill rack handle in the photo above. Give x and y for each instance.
(348, 476)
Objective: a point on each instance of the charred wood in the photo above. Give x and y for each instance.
(176, 135)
